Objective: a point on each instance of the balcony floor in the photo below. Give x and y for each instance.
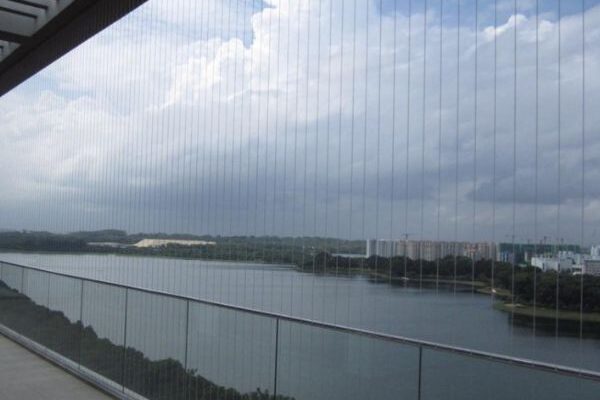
(23, 375)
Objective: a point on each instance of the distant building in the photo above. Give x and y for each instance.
(506, 256)
(522, 253)
(479, 251)
(146, 243)
(429, 250)
(552, 264)
(382, 248)
(595, 252)
(591, 267)
(113, 245)
(575, 258)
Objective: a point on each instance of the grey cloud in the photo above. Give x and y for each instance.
(181, 152)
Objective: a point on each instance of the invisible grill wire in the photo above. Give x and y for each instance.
(232, 136)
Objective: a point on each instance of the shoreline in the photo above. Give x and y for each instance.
(546, 313)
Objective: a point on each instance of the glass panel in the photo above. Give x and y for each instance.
(316, 363)
(156, 345)
(63, 331)
(455, 376)
(232, 353)
(13, 304)
(35, 287)
(12, 276)
(104, 329)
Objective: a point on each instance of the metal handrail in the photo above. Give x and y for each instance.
(421, 344)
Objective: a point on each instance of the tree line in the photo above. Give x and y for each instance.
(525, 285)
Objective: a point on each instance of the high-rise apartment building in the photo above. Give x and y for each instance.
(429, 250)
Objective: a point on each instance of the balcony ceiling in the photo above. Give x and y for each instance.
(21, 19)
(34, 33)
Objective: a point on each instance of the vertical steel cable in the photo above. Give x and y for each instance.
(153, 156)
(226, 200)
(328, 142)
(232, 97)
(365, 127)
(285, 147)
(378, 139)
(143, 140)
(407, 143)
(265, 241)
(364, 159)
(247, 202)
(393, 138)
(352, 139)
(235, 199)
(559, 162)
(305, 145)
(583, 175)
(339, 158)
(294, 233)
(221, 134)
(423, 142)
(190, 147)
(494, 140)
(211, 223)
(200, 166)
(537, 146)
(210, 220)
(238, 197)
(259, 107)
(202, 222)
(439, 144)
(275, 162)
(240, 154)
(475, 137)
(173, 138)
(514, 180)
(322, 248)
(456, 154)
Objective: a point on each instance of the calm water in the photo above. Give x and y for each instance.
(458, 318)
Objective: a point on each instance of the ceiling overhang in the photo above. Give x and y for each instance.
(34, 33)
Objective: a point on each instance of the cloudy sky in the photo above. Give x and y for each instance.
(358, 118)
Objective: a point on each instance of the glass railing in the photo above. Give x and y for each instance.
(138, 343)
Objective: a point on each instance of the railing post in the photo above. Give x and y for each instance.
(420, 372)
(22, 280)
(123, 361)
(48, 293)
(185, 357)
(276, 358)
(81, 322)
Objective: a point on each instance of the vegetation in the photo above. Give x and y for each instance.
(269, 249)
(157, 380)
(530, 284)
(548, 313)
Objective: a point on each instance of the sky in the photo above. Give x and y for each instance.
(450, 120)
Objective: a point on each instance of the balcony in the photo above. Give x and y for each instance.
(310, 200)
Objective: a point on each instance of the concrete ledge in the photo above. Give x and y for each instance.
(104, 389)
